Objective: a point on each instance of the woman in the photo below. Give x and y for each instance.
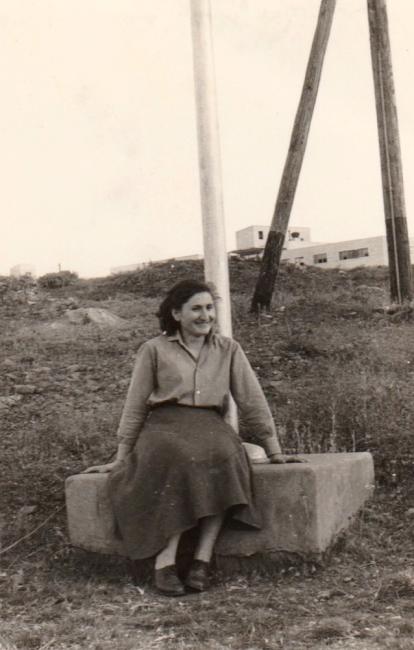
(179, 463)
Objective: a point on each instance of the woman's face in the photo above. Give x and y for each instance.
(197, 315)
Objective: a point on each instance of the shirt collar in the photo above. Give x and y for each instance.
(175, 337)
(210, 338)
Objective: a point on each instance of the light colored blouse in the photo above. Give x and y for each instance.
(166, 371)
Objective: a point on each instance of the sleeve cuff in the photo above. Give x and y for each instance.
(126, 442)
(272, 446)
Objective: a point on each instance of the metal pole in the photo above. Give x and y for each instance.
(215, 255)
(216, 269)
(390, 153)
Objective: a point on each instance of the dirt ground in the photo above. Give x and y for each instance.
(362, 597)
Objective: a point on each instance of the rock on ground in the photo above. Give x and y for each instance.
(99, 316)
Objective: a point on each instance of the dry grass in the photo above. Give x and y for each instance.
(338, 375)
(397, 585)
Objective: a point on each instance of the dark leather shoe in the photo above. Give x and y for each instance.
(197, 577)
(167, 582)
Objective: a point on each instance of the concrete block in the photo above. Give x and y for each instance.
(91, 523)
(304, 507)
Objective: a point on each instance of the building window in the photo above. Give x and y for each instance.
(352, 254)
(260, 233)
(320, 258)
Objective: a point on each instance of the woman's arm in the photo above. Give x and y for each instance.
(141, 386)
(252, 403)
(135, 408)
(250, 399)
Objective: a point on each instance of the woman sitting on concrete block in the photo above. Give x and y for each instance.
(179, 463)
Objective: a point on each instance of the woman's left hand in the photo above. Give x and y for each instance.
(281, 459)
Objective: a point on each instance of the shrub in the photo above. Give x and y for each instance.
(58, 280)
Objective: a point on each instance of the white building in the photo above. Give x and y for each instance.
(23, 269)
(255, 237)
(299, 249)
(370, 251)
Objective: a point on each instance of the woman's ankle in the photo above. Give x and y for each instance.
(164, 559)
(167, 556)
(202, 557)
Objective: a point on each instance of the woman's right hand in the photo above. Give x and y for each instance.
(103, 469)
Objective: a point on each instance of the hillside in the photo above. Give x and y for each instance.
(337, 368)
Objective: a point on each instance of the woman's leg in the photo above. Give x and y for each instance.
(209, 530)
(168, 554)
(197, 577)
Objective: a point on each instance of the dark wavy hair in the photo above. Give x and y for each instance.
(175, 299)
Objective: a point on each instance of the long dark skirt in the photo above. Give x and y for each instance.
(188, 463)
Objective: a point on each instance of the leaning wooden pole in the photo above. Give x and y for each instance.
(214, 241)
(274, 245)
(390, 153)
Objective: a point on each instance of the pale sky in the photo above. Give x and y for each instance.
(98, 155)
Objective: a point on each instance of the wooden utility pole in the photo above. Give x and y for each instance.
(274, 245)
(390, 153)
